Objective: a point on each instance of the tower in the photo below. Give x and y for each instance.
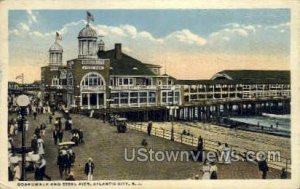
(87, 40)
(55, 54)
(101, 45)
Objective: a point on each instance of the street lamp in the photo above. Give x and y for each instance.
(172, 113)
(23, 101)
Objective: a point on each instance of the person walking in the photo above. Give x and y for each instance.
(206, 170)
(34, 144)
(61, 162)
(34, 115)
(227, 154)
(149, 128)
(68, 160)
(50, 118)
(213, 171)
(40, 145)
(200, 148)
(284, 174)
(60, 135)
(80, 136)
(37, 131)
(17, 172)
(42, 169)
(263, 167)
(89, 169)
(220, 152)
(55, 136)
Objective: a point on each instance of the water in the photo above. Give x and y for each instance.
(266, 120)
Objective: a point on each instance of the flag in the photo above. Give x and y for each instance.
(58, 36)
(20, 76)
(89, 16)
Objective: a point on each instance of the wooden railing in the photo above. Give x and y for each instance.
(208, 144)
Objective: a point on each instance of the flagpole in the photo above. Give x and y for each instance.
(22, 78)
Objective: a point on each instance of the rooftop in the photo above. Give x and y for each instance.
(126, 65)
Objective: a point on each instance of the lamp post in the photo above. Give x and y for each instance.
(23, 101)
(172, 114)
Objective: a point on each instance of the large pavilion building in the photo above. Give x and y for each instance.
(99, 79)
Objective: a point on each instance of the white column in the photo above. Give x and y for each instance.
(138, 96)
(97, 100)
(88, 97)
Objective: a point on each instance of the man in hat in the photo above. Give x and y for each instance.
(89, 169)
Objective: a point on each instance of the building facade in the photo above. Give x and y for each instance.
(100, 79)
(238, 85)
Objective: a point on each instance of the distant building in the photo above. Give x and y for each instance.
(238, 84)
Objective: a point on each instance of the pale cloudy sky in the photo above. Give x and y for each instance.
(191, 44)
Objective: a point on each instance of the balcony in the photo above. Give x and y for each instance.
(92, 88)
(134, 87)
(169, 87)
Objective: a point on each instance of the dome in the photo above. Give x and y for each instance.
(87, 32)
(56, 47)
(101, 42)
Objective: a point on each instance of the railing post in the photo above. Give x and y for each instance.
(181, 138)
(163, 133)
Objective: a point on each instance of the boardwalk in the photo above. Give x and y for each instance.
(106, 147)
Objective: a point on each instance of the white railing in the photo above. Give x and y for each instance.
(92, 88)
(134, 87)
(169, 87)
(208, 144)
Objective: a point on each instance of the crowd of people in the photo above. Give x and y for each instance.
(36, 161)
(35, 157)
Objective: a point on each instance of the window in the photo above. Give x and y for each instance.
(143, 97)
(159, 82)
(170, 97)
(115, 98)
(124, 97)
(125, 81)
(134, 97)
(55, 81)
(92, 79)
(152, 97)
(111, 81)
(170, 82)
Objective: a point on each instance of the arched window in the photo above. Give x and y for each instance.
(159, 82)
(92, 79)
(55, 81)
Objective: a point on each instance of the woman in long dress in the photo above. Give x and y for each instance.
(227, 154)
(40, 144)
(206, 170)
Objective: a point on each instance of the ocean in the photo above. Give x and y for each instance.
(266, 120)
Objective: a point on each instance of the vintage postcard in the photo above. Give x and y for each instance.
(136, 94)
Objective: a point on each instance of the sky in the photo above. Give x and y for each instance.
(187, 43)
